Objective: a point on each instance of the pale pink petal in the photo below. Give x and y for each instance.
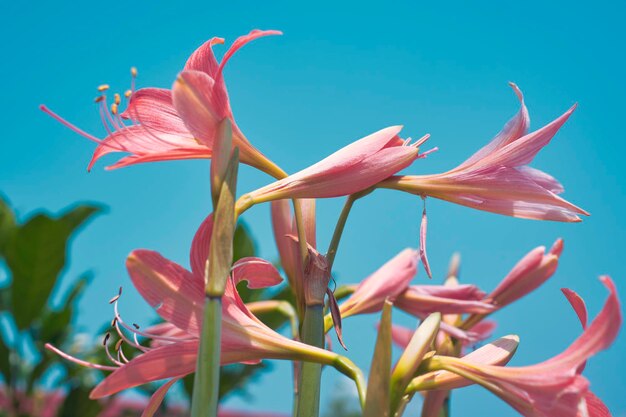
(419, 303)
(169, 288)
(513, 130)
(153, 108)
(282, 223)
(242, 40)
(468, 292)
(578, 304)
(388, 281)
(170, 361)
(349, 170)
(157, 398)
(527, 275)
(423, 231)
(523, 150)
(168, 155)
(543, 179)
(200, 104)
(200, 247)
(203, 59)
(258, 272)
(595, 406)
(401, 335)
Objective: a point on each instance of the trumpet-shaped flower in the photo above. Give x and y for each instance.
(552, 388)
(351, 169)
(178, 297)
(498, 179)
(162, 125)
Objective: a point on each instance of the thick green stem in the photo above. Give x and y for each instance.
(310, 374)
(206, 382)
(302, 243)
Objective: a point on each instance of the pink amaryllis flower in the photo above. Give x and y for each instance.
(553, 388)
(351, 169)
(535, 268)
(178, 297)
(161, 125)
(498, 179)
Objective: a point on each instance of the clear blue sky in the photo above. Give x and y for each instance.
(342, 70)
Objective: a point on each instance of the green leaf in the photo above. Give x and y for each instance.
(5, 360)
(36, 256)
(78, 404)
(7, 224)
(243, 242)
(377, 397)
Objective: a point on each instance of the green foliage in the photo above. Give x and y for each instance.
(34, 253)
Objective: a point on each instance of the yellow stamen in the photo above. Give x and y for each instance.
(127, 93)
(103, 87)
(133, 71)
(114, 108)
(117, 99)
(99, 99)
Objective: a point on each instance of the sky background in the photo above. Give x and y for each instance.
(340, 72)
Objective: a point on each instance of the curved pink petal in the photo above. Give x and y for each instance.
(242, 40)
(153, 108)
(203, 58)
(417, 303)
(169, 288)
(167, 155)
(351, 169)
(388, 281)
(201, 104)
(468, 292)
(200, 247)
(513, 130)
(258, 272)
(578, 304)
(543, 179)
(595, 406)
(157, 398)
(170, 361)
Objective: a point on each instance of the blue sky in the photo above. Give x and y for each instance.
(339, 72)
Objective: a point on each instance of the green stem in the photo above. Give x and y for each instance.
(206, 381)
(310, 374)
(302, 243)
(341, 224)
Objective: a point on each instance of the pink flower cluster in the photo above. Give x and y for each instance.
(183, 123)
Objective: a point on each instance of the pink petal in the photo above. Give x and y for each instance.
(242, 40)
(258, 272)
(423, 255)
(169, 288)
(468, 292)
(543, 179)
(401, 335)
(523, 150)
(527, 275)
(578, 304)
(203, 59)
(388, 281)
(349, 170)
(282, 223)
(170, 361)
(200, 248)
(418, 303)
(167, 155)
(153, 108)
(595, 406)
(201, 103)
(513, 130)
(157, 398)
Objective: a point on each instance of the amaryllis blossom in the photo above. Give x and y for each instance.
(498, 179)
(161, 125)
(527, 275)
(387, 282)
(553, 388)
(421, 300)
(353, 168)
(178, 297)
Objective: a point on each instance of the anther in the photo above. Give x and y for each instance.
(114, 322)
(133, 71)
(106, 339)
(136, 326)
(114, 108)
(103, 87)
(117, 99)
(118, 345)
(117, 297)
(127, 93)
(98, 99)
